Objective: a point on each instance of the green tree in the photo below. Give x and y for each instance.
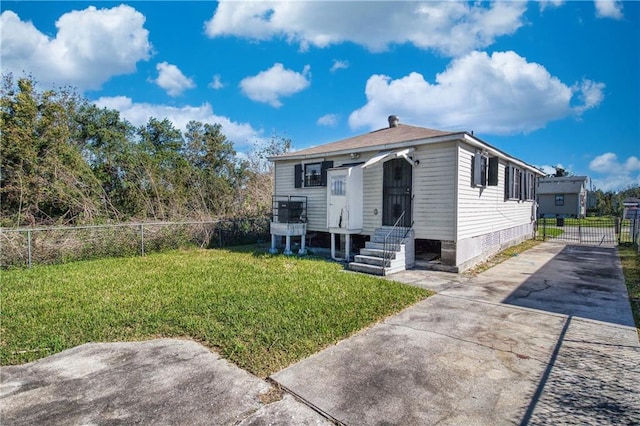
(161, 169)
(216, 175)
(105, 141)
(44, 177)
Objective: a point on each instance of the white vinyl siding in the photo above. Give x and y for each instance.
(316, 195)
(485, 210)
(372, 197)
(434, 192)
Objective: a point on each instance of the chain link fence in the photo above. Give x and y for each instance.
(25, 247)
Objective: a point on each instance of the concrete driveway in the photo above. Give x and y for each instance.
(546, 337)
(543, 338)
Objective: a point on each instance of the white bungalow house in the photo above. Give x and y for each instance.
(406, 190)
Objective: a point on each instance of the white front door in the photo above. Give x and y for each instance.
(337, 213)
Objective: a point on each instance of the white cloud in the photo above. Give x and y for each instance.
(329, 120)
(608, 163)
(544, 4)
(339, 65)
(604, 163)
(276, 82)
(90, 47)
(608, 9)
(242, 134)
(171, 79)
(216, 83)
(451, 28)
(497, 94)
(615, 175)
(590, 94)
(616, 182)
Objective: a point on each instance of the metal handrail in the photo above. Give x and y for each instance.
(394, 234)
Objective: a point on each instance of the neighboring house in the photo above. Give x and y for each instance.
(448, 191)
(563, 196)
(631, 207)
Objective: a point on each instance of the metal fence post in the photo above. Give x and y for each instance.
(142, 239)
(579, 230)
(29, 248)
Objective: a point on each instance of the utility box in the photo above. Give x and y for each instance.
(344, 199)
(290, 211)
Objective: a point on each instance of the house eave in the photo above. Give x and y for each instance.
(379, 147)
(459, 136)
(472, 140)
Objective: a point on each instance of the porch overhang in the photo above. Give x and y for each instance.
(399, 153)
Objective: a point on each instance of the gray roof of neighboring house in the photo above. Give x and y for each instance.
(631, 201)
(561, 185)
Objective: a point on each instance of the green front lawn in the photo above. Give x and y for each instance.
(260, 311)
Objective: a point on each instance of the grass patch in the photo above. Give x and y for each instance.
(589, 222)
(502, 256)
(549, 232)
(260, 311)
(630, 259)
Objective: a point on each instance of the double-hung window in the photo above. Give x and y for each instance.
(313, 174)
(310, 175)
(484, 170)
(512, 183)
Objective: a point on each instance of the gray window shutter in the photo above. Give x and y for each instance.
(297, 178)
(507, 182)
(323, 173)
(493, 171)
(476, 170)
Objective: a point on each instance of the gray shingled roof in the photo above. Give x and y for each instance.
(385, 136)
(561, 185)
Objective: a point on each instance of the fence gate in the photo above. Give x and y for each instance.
(598, 231)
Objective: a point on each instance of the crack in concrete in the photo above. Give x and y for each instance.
(519, 355)
(530, 292)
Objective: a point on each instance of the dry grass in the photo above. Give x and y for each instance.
(501, 257)
(630, 259)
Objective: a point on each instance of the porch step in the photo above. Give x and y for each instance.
(369, 260)
(380, 246)
(372, 257)
(366, 268)
(381, 233)
(390, 240)
(377, 253)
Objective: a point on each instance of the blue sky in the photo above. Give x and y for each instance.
(553, 82)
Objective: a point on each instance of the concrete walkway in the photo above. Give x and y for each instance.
(543, 338)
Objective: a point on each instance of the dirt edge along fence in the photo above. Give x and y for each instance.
(25, 247)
